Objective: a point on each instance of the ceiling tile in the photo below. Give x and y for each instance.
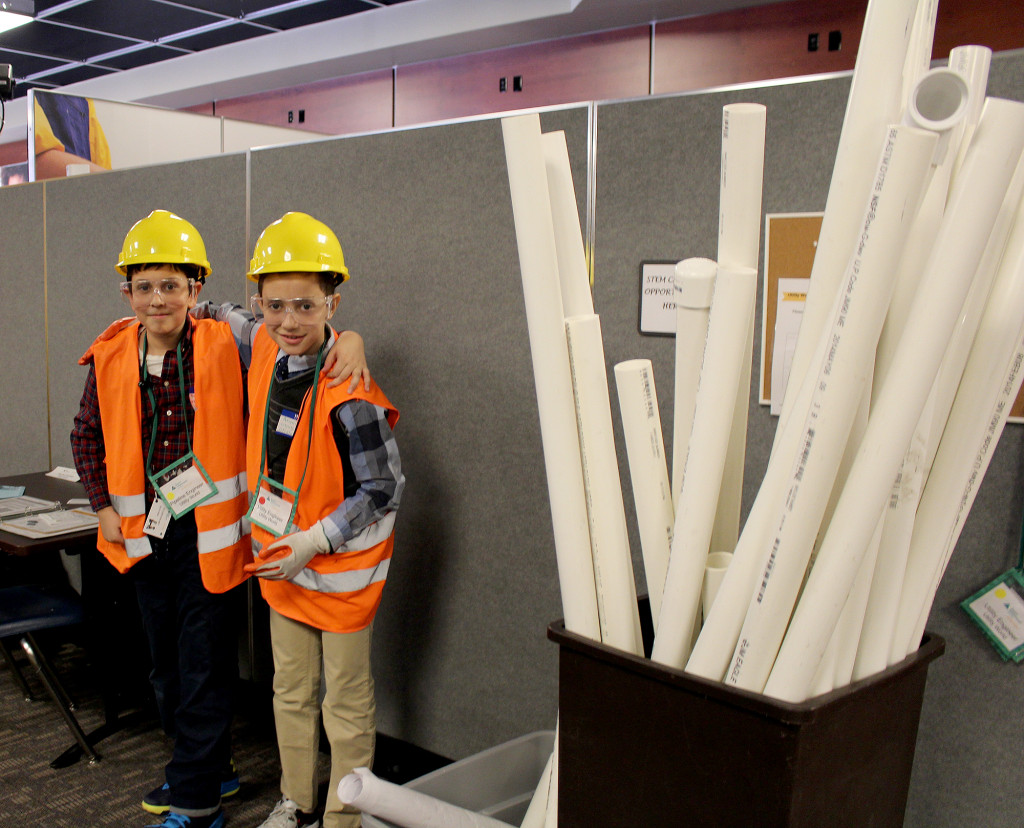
(315, 13)
(220, 37)
(139, 19)
(52, 40)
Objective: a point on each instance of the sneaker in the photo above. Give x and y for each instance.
(286, 814)
(174, 820)
(158, 800)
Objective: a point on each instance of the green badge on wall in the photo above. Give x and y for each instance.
(998, 608)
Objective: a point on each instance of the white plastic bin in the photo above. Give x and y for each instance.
(498, 782)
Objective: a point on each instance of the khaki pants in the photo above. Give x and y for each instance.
(348, 710)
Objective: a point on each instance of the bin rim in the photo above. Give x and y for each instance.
(932, 646)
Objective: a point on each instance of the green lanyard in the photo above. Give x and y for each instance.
(190, 491)
(1020, 554)
(144, 380)
(309, 436)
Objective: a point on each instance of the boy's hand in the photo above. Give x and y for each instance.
(285, 558)
(347, 359)
(110, 525)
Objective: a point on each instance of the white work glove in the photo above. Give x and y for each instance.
(285, 558)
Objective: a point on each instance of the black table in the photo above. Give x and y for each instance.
(117, 648)
(38, 484)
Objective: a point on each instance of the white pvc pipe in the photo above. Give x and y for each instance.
(875, 100)
(940, 101)
(577, 299)
(713, 649)
(850, 626)
(880, 617)
(714, 573)
(694, 285)
(839, 384)
(536, 812)
(742, 172)
(966, 225)
(739, 238)
(648, 472)
(405, 807)
(999, 412)
(919, 49)
(972, 64)
(724, 356)
(538, 263)
(551, 813)
(987, 391)
(957, 352)
(613, 566)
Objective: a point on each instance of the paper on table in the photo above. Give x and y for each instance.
(24, 505)
(63, 473)
(47, 524)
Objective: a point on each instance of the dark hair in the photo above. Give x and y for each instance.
(188, 270)
(326, 280)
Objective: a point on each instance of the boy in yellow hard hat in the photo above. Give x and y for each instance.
(325, 481)
(159, 445)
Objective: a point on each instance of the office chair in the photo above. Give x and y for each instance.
(25, 610)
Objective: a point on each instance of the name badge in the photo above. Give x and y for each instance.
(288, 423)
(158, 519)
(182, 486)
(271, 511)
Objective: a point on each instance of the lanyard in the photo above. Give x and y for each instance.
(309, 435)
(1020, 555)
(144, 381)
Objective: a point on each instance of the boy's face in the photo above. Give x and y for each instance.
(295, 311)
(161, 298)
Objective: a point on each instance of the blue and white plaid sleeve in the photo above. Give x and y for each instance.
(367, 515)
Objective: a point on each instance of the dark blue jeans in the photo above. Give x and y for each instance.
(193, 642)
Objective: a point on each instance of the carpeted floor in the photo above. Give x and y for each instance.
(108, 792)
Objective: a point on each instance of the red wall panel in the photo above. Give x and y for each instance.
(356, 103)
(611, 64)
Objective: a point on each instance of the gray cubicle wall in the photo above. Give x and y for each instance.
(23, 439)
(657, 199)
(87, 218)
(424, 216)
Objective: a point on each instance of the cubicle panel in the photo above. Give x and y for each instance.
(87, 218)
(23, 439)
(424, 216)
(657, 198)
(1006, 75)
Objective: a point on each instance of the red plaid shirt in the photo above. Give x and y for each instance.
(171, 440)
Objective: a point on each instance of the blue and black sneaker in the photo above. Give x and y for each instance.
(158, 800)
(174, 820)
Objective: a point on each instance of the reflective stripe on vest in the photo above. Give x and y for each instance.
(348, 581)
(228, 489)
(128, 505)
(137, 547)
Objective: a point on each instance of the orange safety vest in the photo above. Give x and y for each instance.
(223, 533)
(338, 592)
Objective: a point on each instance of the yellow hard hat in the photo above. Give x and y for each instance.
(297, 243)
(163, 238)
